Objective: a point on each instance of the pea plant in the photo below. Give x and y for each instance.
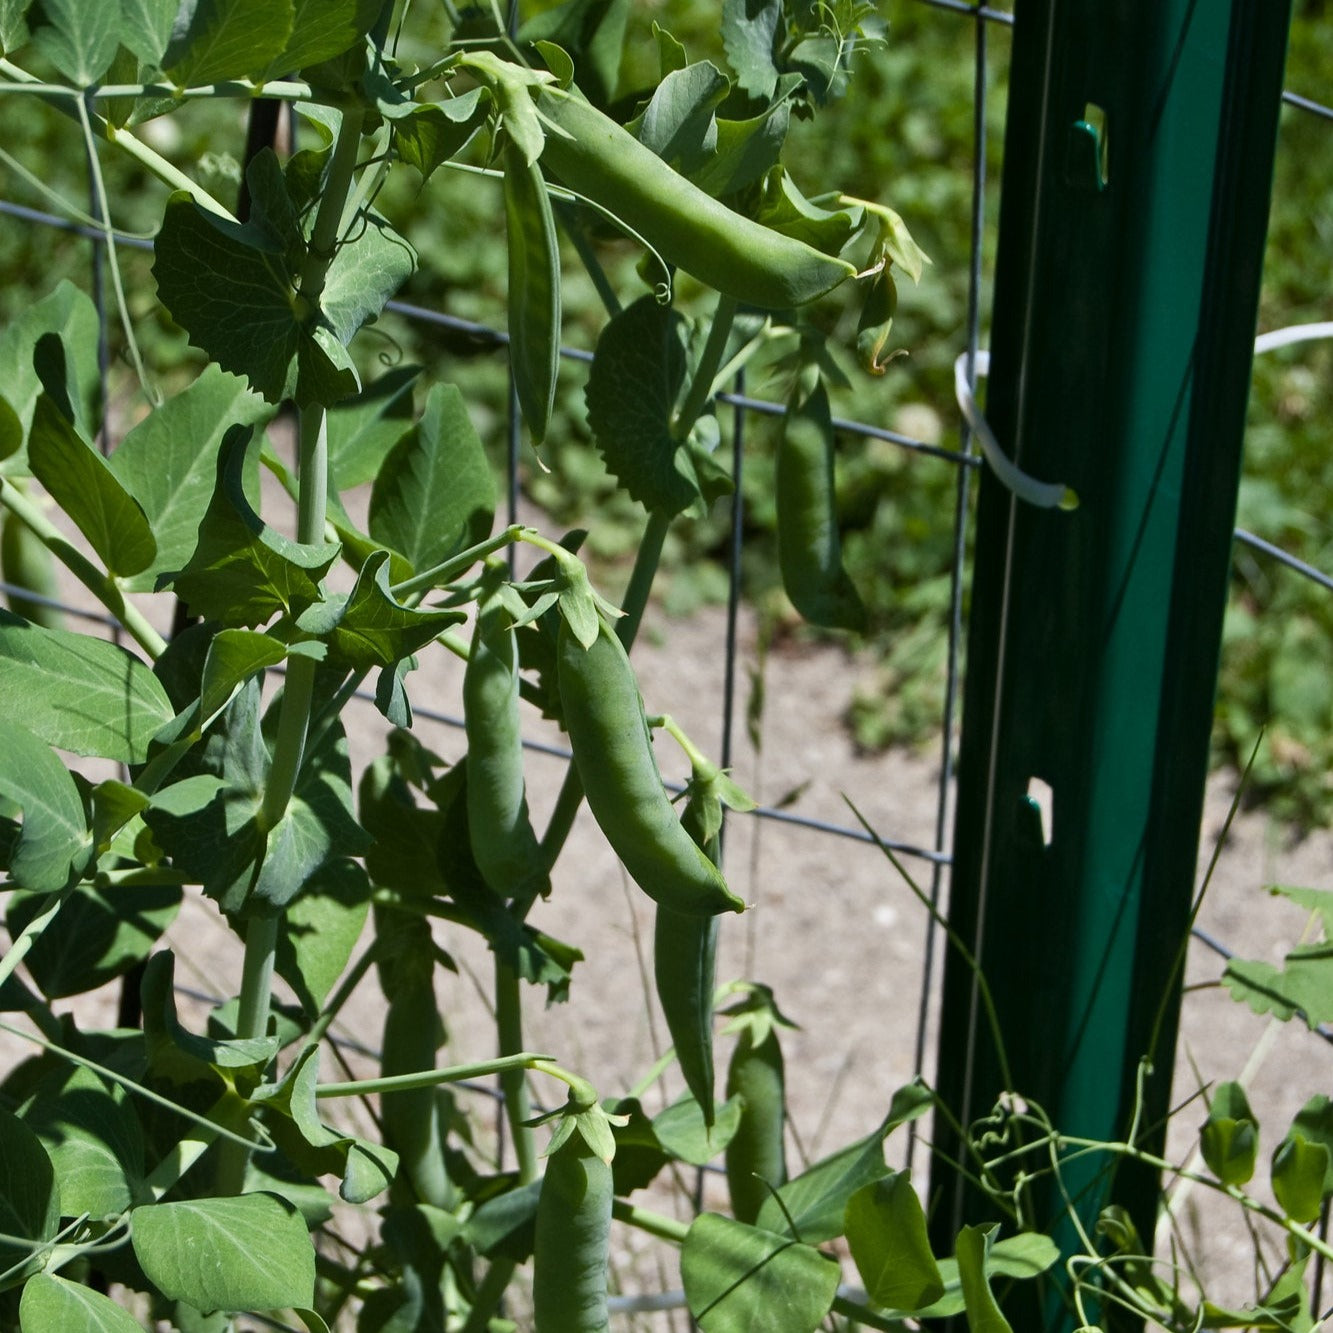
(163, 1174)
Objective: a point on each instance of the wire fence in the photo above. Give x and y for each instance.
(963, 458)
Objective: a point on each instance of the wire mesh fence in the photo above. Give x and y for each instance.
(989, 30)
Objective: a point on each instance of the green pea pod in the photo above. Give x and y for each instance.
(685, 971)
(411, 1119)
(604, 162)
(534, 289)
(573, 1241)
(27, 563)
(757, 1153)
(613, 751)
(809, 547)
(504, 845)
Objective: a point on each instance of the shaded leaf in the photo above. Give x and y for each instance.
(322, 29)
(681, 1130)
(50, 1303)
(363, 429)
(82, 483)
(971, 1250)
(886, 1230)
(79, 39)
(214, 40)
(54, 841)
(750, 30)
(1229, 1138)
(320, 929)
(29, 1196)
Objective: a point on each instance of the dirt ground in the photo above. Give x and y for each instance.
(832, 930)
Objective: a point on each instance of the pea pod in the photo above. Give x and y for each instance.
(756, 1156)
(613, 751)
(573, 1241)
(685, 970)
(809, 546)
(604, 162)
(534, 289)
(27, 563)
(504, 845)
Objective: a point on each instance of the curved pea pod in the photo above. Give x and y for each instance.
(809, 545)
(685, 970)
(605, 163)
(613, 751)
(534, 289)
(26, 563)
(573, 1241)
(504, 845)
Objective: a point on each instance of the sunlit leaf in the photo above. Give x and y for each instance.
(886, 1230)
(214, 40)
(51, 1303)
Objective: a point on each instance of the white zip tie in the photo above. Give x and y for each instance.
(1043, 494)
(1056, 495)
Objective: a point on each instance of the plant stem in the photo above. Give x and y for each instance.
(102, 586)
(514, 1082)
(655, 1224)
(429, 1078)
(489, 1295)
(298, 692)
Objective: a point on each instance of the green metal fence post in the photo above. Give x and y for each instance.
(1138, 164)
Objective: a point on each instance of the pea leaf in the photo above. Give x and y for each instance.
(1021, 1257)
(54, 841)
(374, 629)
(213, 40)
(29, 1199)
(886, 1230)
(322, 29)
(593, 33)
(52, 1302)
(79, 693)
(99, 936)
(679, 123)
(971, 1250)
(363, 429)
(242, 571)
(682, 1131)
(742, 1279)
(745, 150)
(204, 1252)
(94, 1141)
(750, 30)
(13, 30)
(1229, 1138)
(637, 373)
(816, 1200)
(1304, 983)
(320, 929)
(81, 481)
(79, 39)
(145, 27)
(434, 494)
(168, 463)
(68, 313)
(427, 135)
(234, 655)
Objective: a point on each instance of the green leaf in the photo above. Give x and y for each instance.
(322, 29)
(29, 1197)
(52, 1304)
(434, 494)
(971, 1250)
(82, 483)
(429, 135)
(168, 463)
(679, 123)
(742, 1279)
(79, 39)
(213, 40)
(1229, 1138)
(68, 313)
(13, 34)
(817, 1198)
(593, 33)
(637, 373)
(363, 429)
(505, 1225)
(79, 693)
(234, 656)
(681, 1130)
(54, 842)
(92, 1136)
(745, 151)
(375, 629)
(785, 209)
(145, 27)
(1019, 1257)
(1304, 982)
(102, 931)
(750, 31)
(368, 269)
(242, 571)
(886, 1230)
(367, 1169)
(320, 929)
(176, 1052)
(206, 1252)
